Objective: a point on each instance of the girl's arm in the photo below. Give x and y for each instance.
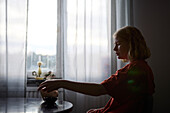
(93, 89)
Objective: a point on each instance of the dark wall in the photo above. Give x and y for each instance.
(152, 17)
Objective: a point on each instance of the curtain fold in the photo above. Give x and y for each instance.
(12, 47)
(87, 49)
(124, 17)
(2, 48)
(88, 45)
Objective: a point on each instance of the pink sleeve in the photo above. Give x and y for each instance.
(116, 83)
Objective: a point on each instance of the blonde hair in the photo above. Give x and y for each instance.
(138, 49)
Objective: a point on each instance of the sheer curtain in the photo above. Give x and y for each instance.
(87, 49)
(124, 17)
(12, 47)
(88, 45)
(84, 46)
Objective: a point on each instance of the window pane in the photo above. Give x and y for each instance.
(42, 33)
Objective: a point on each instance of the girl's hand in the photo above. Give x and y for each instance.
(50, 94)
(49, 85)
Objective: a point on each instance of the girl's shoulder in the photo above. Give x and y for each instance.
(140, 65)
(136, 66)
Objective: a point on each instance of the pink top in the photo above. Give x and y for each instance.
(128, 87)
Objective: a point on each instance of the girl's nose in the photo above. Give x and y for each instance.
(115, 48)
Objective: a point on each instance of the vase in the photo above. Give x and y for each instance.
(39, 71)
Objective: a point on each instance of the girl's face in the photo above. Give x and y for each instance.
(121, 48)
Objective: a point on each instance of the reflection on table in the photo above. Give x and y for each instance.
(33, 105)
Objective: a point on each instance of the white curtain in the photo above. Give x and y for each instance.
(124, 17)
(12, 47)
(87, 49)
(85, 43)
(89, 25)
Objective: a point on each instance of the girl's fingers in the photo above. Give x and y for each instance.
(47, 85)
(42, 85)
(49, 89)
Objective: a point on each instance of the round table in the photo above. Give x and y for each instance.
(33, 105)
(65, 107)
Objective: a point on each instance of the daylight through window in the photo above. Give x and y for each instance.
(42, 36)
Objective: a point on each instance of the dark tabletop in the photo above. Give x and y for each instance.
(33, 105)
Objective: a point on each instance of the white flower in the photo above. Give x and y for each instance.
(39, 63)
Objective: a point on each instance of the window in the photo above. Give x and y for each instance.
(76, 33)
(42, 36)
